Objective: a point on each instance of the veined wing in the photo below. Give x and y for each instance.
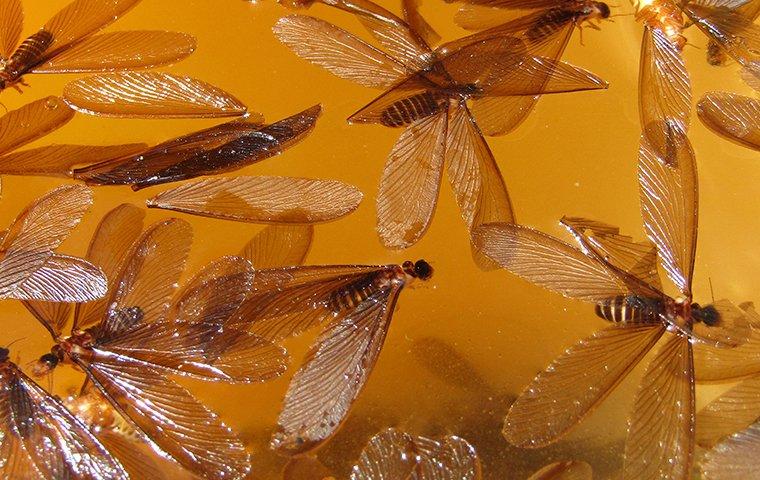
(109, 246)
(82, 18)
(730, 328)
(333, 374)
(121, 51)
(635, 258)
(735, 458)
(576, 382)
(279, 246)
(713, 364)
(147, 279)
(565, 470)
(11, 24)
(664, 85)
(553, 264)
(31, 418)
(39, 230)
(170, 417)
(669, 197)
(413, 17)
(475, 177)
(52, 315)
(60, 160)
(150, 95)
(138, 460)
(732, 116)
(732, 412)
(338, 51)
(410, 182)
(501, 115)
(660, 441)
(63, 279)
(32, 121)
(262, 199)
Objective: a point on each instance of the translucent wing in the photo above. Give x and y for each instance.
(30, 418)
(664, 86)
(735, 458)
(636, 258)
(399, 40)
(389, 454)
(213, 151)
(170, 417)
(279, 246)
(288, 301)
(11, 23)
(733, 411)
(410, 182)
(63, 279)
(138, 460)
(121, 51)
(333, 374)
(418, 23)
(501, 115)
(730, 329)
(732, 116)
(576, 382)
(553, 264)
(37, 231)
(32, 121)
(475, 177)
(714, 364)
(149, 276)
(59, 160)
(150, 95)
(380, 110)
(668, 194)
(305, 468)
(737, 34)
(262, 199)
(660, 441)
(52, 315)
(566, 470)
(338, 51)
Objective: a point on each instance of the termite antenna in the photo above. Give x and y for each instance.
(712, 294)
(15, 341)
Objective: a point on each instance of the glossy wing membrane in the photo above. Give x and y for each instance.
(262, 199)
(170, 417)
(108, 249)
(501, 115)
(737, 34)
(660, 441)
(714, 364)
(732, 116)
(150, 95)
(664, 86)
(735, 458)
(333, 374)
(668, 194)
(215, 150)
(31, 418)
(32, 121)
(732, 412)
(37, 231)
(63, 279)
(338, 51)
(138, 460)
(121, 51)
(418, 23)
(11, 23)
(552, 264)
(60, 160)
(279, 246)
(576, 382)
(410, 182)
(567, 470)
(52, 315)
(393, 454)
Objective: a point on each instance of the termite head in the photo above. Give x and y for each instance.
(708, 315)
(47, 363)
(419, 269)
(596, 10)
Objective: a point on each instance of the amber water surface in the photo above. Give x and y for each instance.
(575, 155)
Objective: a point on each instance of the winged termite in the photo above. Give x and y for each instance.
(619, 276)
(273, 200)
(564, 470)
(428, 94)
(35, 120)
(40, 438)
(735, 458)
(355, 303)
(151, 95)
(29, 267)
(722, 364)
(129, 344)
(218, 149)
(715, 54)
(396, 454)
(66, 42)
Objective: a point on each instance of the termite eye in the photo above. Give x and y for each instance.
(604, 9)
(423, 270)
(49, 359)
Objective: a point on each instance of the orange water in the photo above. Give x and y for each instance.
(575, 155)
